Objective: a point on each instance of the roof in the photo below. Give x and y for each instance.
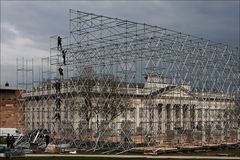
(9, 88)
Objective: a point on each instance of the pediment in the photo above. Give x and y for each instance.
(172, 91)
(177, 92)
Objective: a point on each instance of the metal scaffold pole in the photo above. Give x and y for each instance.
(118, 85)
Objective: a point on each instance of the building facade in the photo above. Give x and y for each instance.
(151, 113)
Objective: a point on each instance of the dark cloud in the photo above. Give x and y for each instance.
(26, 25)
(39, 20)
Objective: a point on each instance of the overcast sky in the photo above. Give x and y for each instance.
(26, 25)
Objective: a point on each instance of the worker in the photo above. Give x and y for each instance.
(58, 103)
(12, 140)
(59, 40)
(60, 72)
(57, 116)
(8, 140)
(47, 138)
(64, 56)
(58, 87)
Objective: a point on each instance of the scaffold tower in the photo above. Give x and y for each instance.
(118, 85)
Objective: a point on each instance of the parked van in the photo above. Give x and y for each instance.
(11, 131)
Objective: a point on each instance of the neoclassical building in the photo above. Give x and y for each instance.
(153, 112)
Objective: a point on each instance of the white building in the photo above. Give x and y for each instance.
(153, 112)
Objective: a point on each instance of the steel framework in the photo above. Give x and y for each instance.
(129, 85)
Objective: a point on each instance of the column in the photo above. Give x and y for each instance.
(147, 119)
(238, 134)
(222, 123)
(163, 120)
(174, 116)
(181, 116)
(188, 117)
(213, 117)
(195, 117)
(32, 118)
(48, 119)
(222, 118)
(155, 119)
(203, 118)
(171, 118)
(203, 125)
(137, 117)
(41, 116)
(28, 117)
(208, 117)
(203, 136)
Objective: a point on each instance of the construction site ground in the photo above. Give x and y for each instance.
(227, 153)
(214, 155)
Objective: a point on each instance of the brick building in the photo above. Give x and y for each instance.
(10, 115)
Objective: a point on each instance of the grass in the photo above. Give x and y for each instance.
(83, 158)
(230, 152)
(87, 158)
(233, 152)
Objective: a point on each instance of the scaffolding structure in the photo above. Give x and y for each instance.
(125, 85)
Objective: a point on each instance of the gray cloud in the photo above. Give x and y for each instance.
(27, 26)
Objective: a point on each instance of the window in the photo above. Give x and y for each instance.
(199, 113)
(113, 126)
(43, 114)
(206, 113)
(141, 112)
(132, 113)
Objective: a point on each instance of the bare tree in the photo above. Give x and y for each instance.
(102, 95)
(88, 81)
(113, 100)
